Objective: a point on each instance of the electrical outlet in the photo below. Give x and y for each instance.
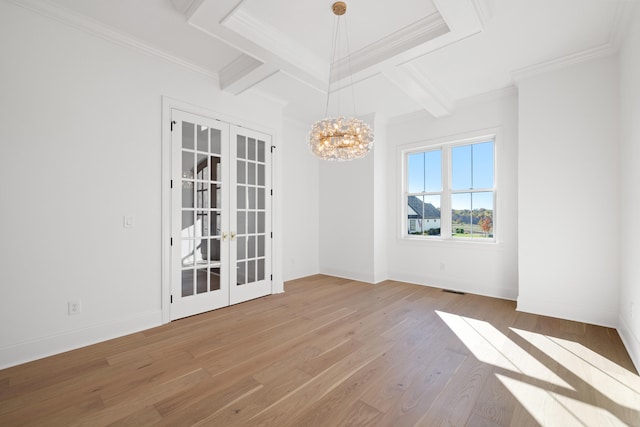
(74, 307)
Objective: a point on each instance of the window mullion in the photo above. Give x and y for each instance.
(445, 202)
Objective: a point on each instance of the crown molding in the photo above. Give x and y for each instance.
(93, 27)
(601, 51)
(617, 33)
(624, 12)
(418, 33)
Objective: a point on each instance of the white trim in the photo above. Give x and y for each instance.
(601, 51)
(446, 144)
(39, 348)
(347, 274)
(630, 341)
(617, 32)
(447, 283)
(621, 22)
(562, 310)
(88, 25)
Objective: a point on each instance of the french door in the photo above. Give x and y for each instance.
(221, 214)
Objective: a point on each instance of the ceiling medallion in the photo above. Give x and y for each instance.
(340, 138)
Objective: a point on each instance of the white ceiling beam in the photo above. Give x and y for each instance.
(243, 73)
(418, 87)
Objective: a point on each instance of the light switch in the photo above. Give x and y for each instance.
(129, 221)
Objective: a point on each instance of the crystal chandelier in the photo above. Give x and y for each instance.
(340, 138)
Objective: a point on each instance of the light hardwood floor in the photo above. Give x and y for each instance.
(333, 352)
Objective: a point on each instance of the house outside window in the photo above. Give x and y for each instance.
(449, 191)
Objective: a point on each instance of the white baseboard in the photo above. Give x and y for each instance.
(352, 275)
(571, 311)
(16, 354)
(630, 341)
(471, 288)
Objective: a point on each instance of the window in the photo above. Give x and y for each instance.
(450, 191)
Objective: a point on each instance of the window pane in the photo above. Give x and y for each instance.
(472, 166)
(415, 168)
(424, 171)
(433, 170)
(482, 204)
(461, 215)
(187, 282)
(483, 165)
(216, 137)
(472, 215)
(461, 167)
(187, 136)
(203, 138)
(423, 215)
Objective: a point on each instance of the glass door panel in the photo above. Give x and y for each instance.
(199, 252)
(252, 219)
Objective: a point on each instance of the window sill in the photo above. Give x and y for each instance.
(440, 242)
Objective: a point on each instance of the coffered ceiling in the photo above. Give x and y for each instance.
(406, 55)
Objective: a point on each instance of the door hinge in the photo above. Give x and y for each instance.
(272, 192)
(273, 148)
(173, 122)
(171, 243)
(272, 234)
(272, 277)
(171, 299)
(171, 183)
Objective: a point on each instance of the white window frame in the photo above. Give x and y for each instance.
(446, 145)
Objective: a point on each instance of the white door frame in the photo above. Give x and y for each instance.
(276, 200)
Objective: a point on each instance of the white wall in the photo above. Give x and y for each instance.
(80, 127)
(300, 189)
(379, 190)
(346, 219)
(629, 322)
(568, 182)
(487, 269)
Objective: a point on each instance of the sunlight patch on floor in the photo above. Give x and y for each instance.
(553, 409)
(600, 373)
(491, 346)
